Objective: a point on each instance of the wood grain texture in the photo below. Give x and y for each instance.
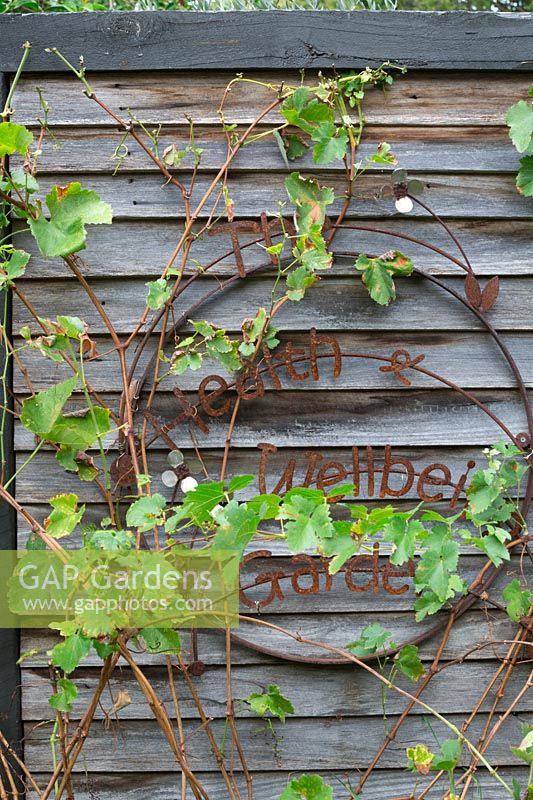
(417, 149)
(475, 627)
(346, 691)
(336, 304)
(345, 419)
(448, 127)
(417, 98)
(468, 196)
(334, 744)
(143, 40)
(469, 359)
(266, 786)
(141, 248)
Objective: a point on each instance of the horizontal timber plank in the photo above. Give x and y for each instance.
(415, 418)
(343, 692)
(335, 304)
(468, 196)
(471, 360)
(473, 628)
(416, 98)
(417, 149)
(354, 592)
(326, 744)
(142, 248)
(268, 786)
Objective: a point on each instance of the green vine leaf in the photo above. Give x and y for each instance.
(448, 758)
(409, 663)
(402, 531)
(524, 178)
(298, 281)
(14, 139)
(519, 119)
(308, 519)
(524, 751)
(13, 268)
(161, 640)
(373, 638)
(159, 292)
(146, 512)
(518, 600)
(71, 208)
(236, 526)
(65, 696)
(65, 515)
(378, 273)
(272, 701)
(69, 653)
(307, 787)
(39, 413)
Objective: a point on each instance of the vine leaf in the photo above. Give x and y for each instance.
(161, 640)
(450, 753)
(39, 413)
(71, 209)
(473, 291)
(14, 139)
(408, 661)
(237, 525)
(307, 787)
(310, 200)
(13, 268)
(377, 274)
(63, 699)
(308, 519)
(518, 600)
(159, 292)
(420, 759)
(272, 701)
(519, 118)
(146, 512)
(373, 638)
(524, 178)
(489, 295)
(65, 515)
(69, 653)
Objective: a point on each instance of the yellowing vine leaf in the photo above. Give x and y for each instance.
(14, 139)
(65, 515)
(71, 209)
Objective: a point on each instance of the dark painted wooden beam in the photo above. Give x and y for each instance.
(10, 708)
(272, 40)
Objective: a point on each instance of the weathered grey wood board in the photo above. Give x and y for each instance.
(335, 744)
(129, 249)
(340, 304)
(341, 692)
(305, 39)
(266, 785)
(432, 99)
(470, 196)
(445, 122)
(474, 628)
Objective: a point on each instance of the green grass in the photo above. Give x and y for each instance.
(252, 5)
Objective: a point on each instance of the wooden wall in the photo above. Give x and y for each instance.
(447, 128)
